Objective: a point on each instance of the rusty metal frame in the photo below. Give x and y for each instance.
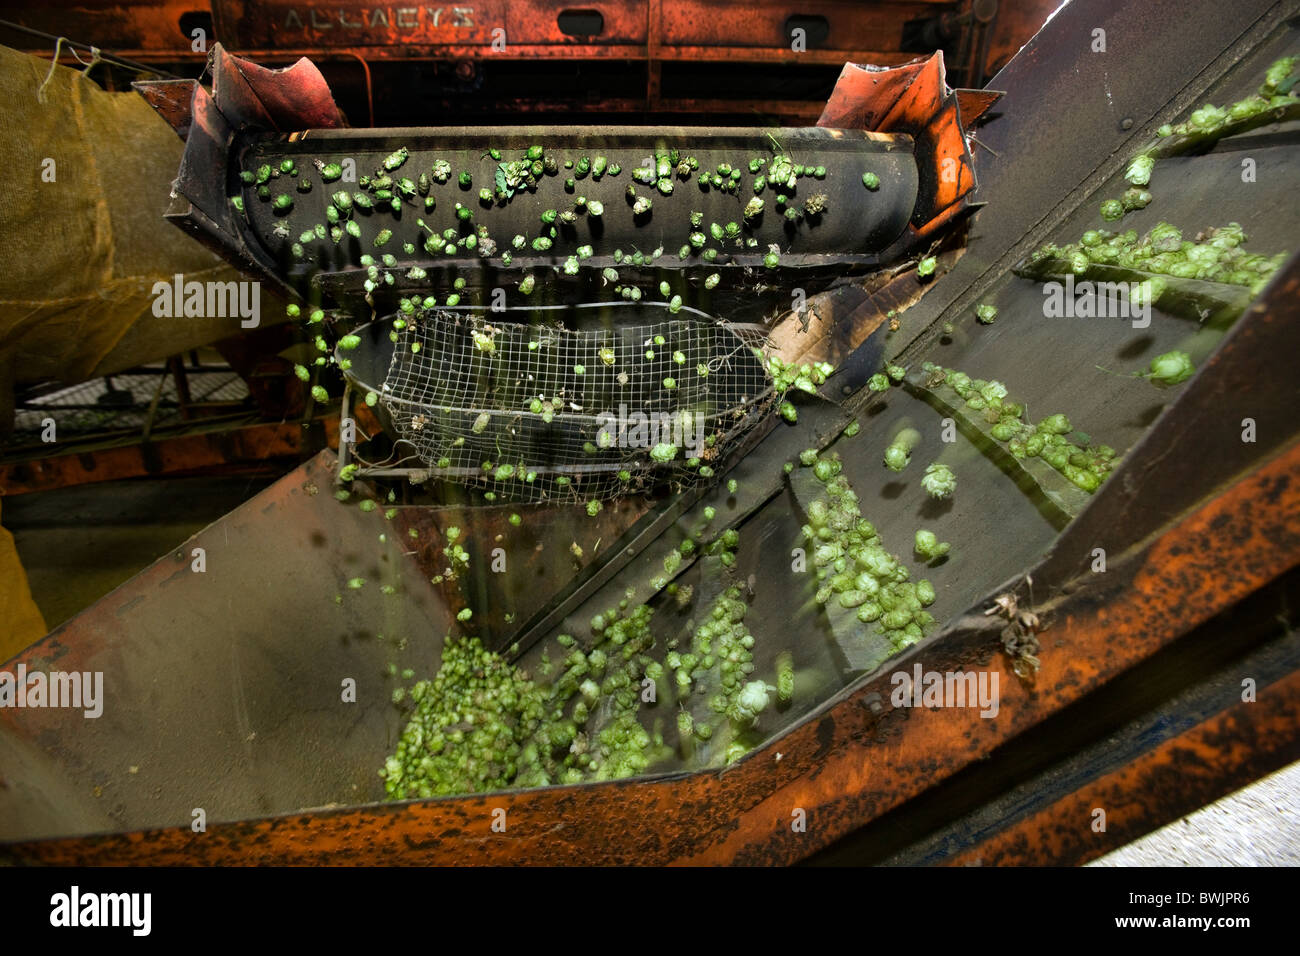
(1168, 736)
(180, 451)
(856, 757)
(645, 32)
(721, 32)
(849, 762)
(1178, 776)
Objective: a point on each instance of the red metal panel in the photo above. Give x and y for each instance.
(689, 30)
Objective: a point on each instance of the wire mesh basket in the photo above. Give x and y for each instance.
(540, 410)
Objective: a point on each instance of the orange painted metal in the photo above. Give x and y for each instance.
(974, 104)
(913, 99)
(1179, 776)
(846, 764)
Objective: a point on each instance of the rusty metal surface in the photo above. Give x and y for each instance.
(1027, 786)
(153, 29)
(149, 26)
(244, 96)
(295, 97)
(671, 49)
(532, 27)
(974, 104)
(173, 101)
(1176, 777)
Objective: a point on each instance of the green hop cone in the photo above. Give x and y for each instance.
(1171, 368)
(939, 481)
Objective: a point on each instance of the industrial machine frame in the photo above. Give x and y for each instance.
(1138, 707)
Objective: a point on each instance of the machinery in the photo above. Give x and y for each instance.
(236, 412)
(920, 441)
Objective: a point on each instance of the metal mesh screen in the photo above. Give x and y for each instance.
(538, 411)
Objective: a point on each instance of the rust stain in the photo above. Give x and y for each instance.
(1180, 775)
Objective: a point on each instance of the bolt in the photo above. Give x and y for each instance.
(1127, 123)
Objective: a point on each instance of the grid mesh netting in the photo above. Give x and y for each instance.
(531, 411)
